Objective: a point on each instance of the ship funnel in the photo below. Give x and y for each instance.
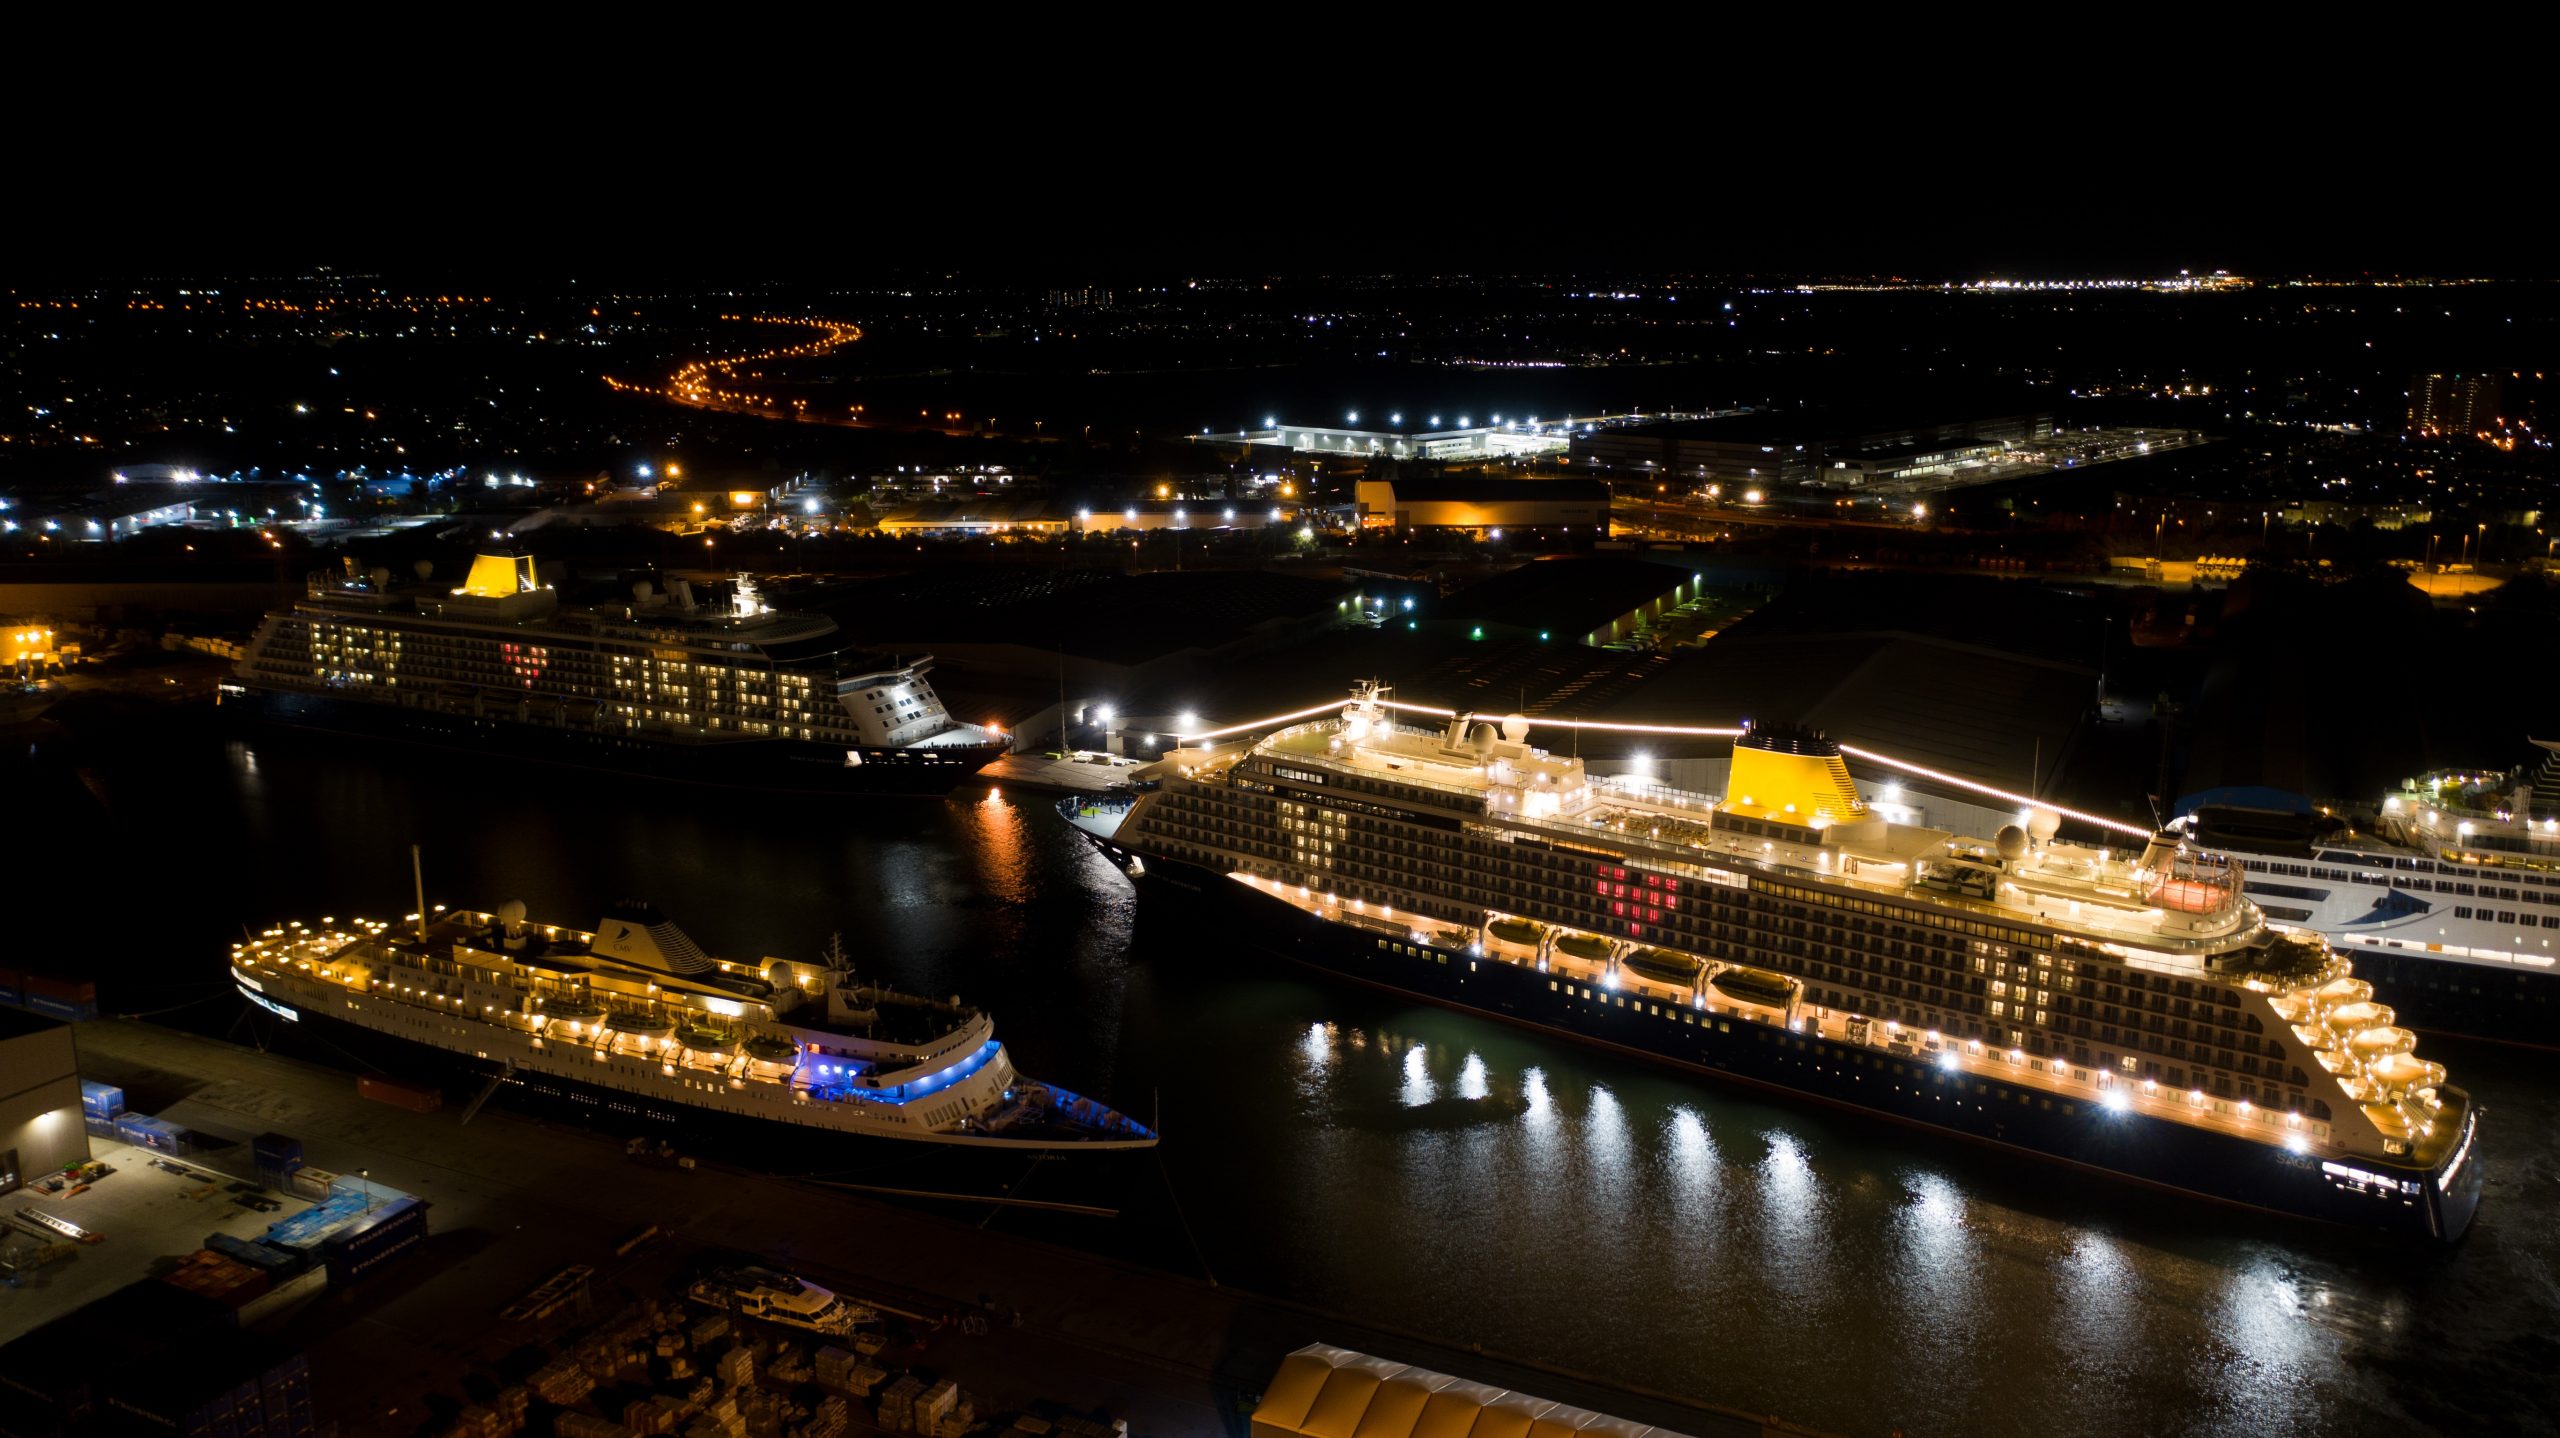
(2159, 854)
(1456, 738)
(681, 593)
(639, 934)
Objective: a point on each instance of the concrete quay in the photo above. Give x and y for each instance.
(515, 1199)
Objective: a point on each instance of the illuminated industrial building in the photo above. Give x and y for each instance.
(1482, 505)
(40, 1125)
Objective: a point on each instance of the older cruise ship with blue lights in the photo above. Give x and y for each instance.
(2122, 1008)
(731, 691)
(634, 1025)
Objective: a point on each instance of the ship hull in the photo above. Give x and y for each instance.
(2018, 1118)
(793, 765)
(747, 1139)
(2465, 1000)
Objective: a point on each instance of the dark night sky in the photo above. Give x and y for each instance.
(1766, 158)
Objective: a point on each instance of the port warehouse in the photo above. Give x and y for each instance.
(41, 1130)
(1798, 446)
(1321, 1391)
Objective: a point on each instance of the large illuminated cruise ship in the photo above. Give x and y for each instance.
(638, 1028)
(725, 692)
(2121, 1009)
(2447, 893)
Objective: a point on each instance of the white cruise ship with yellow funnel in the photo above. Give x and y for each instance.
(2122, 1008)
(634, 1022)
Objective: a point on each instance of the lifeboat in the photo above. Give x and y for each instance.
(640, 1026)
(1519, 933)
(2345, 991)
(704, 1038)
(1662, 966)
(772, 1049)
(1590, 948)
(1754, 986)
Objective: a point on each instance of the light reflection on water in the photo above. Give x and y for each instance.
(1432, 1170)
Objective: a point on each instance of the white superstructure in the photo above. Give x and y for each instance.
(636, 1011)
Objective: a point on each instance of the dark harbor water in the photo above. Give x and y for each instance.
(1407, 1165)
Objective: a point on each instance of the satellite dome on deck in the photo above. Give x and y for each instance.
(511, 913)
(2043, 824)
(1516, 728)
(2012, 842)
(1482, 738)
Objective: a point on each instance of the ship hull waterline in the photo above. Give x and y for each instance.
(749, 1138)
(2017, 1118)
(765, 764)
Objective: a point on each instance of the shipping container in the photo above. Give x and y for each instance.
(276, 1150)
(53, 1006)
(76, 991)
(143, 1131)
(376, 1239)
(100, 1100)
(277, 1263)
(400, 1093)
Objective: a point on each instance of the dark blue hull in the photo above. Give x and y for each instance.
(786, 764)
(2405, 1201)
(2447, 996)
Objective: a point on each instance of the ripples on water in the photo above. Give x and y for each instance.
(1417, 1167)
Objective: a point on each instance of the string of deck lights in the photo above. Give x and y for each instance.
(1918, 771)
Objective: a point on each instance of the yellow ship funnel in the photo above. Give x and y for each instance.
(1794, 775)
(495, 576)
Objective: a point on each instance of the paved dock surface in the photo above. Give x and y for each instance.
(516, 1198)
(1058, 776)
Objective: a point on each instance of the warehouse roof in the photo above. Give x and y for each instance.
(1332, 1391)
(1566, 596)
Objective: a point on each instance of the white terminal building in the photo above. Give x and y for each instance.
(1502, 439)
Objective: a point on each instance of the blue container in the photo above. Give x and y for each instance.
(276, 1263)
(375, 1239)
(78, 1011)
(100, 1100)
(143, 1131)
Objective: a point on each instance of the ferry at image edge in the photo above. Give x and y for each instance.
(2447, 893)
(2120, 1009)
(731, 691)
(636, 1011)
